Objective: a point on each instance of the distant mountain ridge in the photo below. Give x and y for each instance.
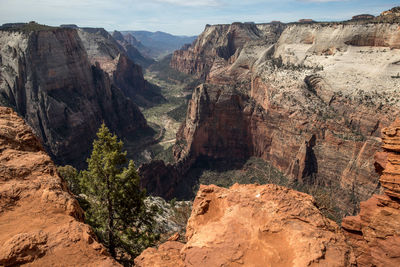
(159, 43)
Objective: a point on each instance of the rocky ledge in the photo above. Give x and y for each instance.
(41, 222)
(254, 225)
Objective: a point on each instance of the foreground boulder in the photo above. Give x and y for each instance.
(253, 225)
(41, 224)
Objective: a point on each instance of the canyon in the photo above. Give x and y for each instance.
(66, 81)
(245, 224)
(289, 141)
(311, 99)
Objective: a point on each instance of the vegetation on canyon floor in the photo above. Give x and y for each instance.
(164, 118)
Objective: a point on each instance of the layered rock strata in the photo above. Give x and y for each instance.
(254, 225)
(41, 222)
(375, 232)
(64, 94)
(117, 60)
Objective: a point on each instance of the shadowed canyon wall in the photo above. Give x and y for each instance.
(65, 82)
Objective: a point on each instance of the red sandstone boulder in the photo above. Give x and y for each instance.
(253, 225)
(41, 223)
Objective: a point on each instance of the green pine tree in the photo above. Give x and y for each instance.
(117, 211)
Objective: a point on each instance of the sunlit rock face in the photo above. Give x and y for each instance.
(253, 225)
(375, 232)
(41, 222)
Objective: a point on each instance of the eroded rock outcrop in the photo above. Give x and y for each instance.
(41, 223)
(375, 232)
(253, 225)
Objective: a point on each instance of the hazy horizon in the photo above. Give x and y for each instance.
(180, 17)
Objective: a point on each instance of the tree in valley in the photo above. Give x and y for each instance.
(116, 209)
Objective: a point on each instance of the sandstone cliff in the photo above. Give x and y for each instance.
(252, 225)
(309, 98)
(49, 79)
(375, 232)
(112, 57)
(41, 223)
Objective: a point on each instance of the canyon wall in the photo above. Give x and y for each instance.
(129, 43)
(309, 98)
(116, 60)
(374, 234)
(41, 222)
(64, 87)
(270, 225)
(257, 225)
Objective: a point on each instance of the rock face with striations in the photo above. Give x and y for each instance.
(41, 222)
(254, 225)
(118, 62)
(51, 78)
(311, 99)
(375, 232)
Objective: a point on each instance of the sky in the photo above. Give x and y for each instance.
(181, 17)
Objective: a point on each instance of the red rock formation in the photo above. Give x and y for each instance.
(221, 123)
(41, 223)
(269, 225)
(254, 225)
(105, 52)
(166, 255)
(375, 232)
(390, 179)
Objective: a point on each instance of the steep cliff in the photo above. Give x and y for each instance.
(41, 222)
(309, 98)
(47, 77)
(374, 233)
(103, 50)
(218, 43)
(252, 225)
